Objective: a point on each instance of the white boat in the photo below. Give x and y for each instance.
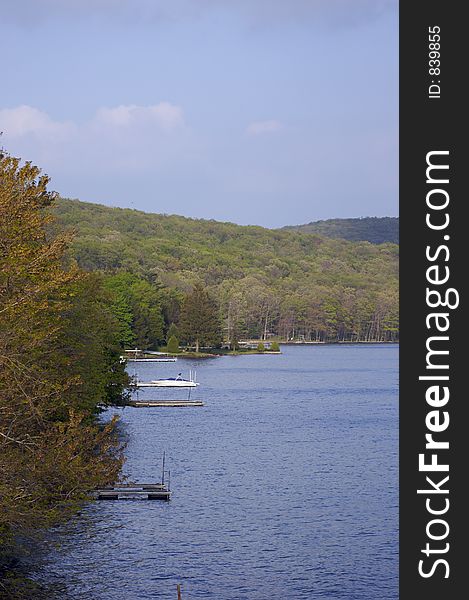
(178, 382)
(172, 382)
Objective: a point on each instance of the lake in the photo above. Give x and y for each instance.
(285, 485)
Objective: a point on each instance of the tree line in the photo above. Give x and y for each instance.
(279, 284)
(377, 230)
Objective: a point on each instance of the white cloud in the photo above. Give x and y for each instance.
(26, 120)
(261, 127)
(131, 137)
(163, 115)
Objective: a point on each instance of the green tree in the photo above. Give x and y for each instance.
(121, 307)
(234, 338)
(95, 348)
(58, 363)
(290, 284)
(275, 347)
(173, 331)
(147, 323)
(136, 304)
(200, 322)
(173, 345)
(260, 347)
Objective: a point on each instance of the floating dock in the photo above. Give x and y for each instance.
(151, 360)
(134, 491)
(168, 403)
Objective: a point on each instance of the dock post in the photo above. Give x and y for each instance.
(179, 591)
(162, 475)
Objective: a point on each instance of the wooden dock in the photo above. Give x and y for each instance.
(167, 403)
(134, 491)
(151, 360)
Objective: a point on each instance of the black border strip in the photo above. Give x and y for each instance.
(432, 122)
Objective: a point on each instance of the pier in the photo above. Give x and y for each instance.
(150, 360)
(134, 491)
(168, 403)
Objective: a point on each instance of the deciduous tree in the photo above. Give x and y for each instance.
(58, 363)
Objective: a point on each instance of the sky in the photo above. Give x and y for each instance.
(266, 112)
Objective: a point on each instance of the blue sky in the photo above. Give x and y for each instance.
(254, 111)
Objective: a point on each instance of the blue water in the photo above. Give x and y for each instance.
(285, 485)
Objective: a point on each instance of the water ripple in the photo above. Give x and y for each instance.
(285, 486)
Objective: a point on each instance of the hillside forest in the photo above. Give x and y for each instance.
(377, 230)
(282, 284)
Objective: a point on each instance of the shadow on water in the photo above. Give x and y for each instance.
(20, 562)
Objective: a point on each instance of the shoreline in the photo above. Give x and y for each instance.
(216, 354)
(338, 342)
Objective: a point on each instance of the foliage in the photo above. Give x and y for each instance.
(173, 331)
(260, 347)
(137, 306)
(377, 230)
(173, 345)
(59, 362)
(200, 322)
(233, 338)
(275, 347)
(287, 283)
(120, 305)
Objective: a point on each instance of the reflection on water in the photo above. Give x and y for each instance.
(284, 486)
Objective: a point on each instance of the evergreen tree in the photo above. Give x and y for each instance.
(136, 304)
(173, 345)
(200, 322)
(173, 331)
(147, 323)
(234, 338)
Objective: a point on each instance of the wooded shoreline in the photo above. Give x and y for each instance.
(71, 305)
(278, 284)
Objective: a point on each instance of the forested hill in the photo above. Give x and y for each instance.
(377, 230)
(281, 282)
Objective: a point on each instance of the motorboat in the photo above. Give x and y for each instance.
(178, 382)
(174, 382)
